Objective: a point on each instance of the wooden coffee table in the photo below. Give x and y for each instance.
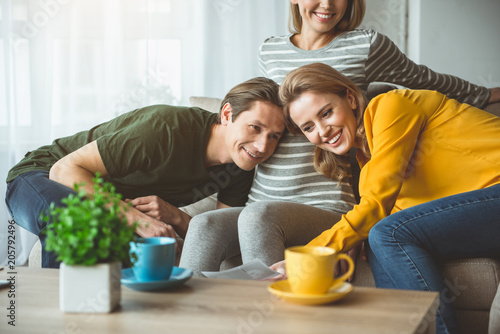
(214, 306)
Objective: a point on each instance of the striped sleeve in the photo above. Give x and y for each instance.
(386, 63)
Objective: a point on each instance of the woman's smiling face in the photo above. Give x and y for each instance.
(327, 120)
(321, 16)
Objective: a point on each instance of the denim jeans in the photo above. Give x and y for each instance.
(406, 248)
(29, 195)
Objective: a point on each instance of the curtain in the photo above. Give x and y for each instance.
(67, 65)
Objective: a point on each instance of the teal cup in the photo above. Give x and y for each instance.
(152, 258)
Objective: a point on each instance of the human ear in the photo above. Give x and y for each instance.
(351, 99)
(226, 114)
(294, 2)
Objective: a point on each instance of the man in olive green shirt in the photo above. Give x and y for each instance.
(158, 157)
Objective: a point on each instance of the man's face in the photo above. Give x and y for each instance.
(253, 136)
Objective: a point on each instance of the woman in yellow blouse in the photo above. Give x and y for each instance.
(429, 182)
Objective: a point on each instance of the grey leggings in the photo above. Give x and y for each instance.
(260, 230)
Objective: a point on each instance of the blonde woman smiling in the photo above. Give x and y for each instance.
(429, 182)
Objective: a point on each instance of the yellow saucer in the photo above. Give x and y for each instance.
(283, 291)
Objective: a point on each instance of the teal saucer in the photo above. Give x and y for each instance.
(177, 278)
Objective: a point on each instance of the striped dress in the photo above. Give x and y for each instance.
(364, 56)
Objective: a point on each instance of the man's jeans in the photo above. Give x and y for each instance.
(29, 195)
(406, 248)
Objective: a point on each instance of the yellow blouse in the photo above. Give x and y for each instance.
(424, 146)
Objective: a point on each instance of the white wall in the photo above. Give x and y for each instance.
(389, 18)
(459, 37)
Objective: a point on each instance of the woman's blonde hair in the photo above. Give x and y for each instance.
(323, 79)
(352, 18)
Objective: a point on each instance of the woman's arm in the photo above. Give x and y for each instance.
(386, 63)
(393, 124)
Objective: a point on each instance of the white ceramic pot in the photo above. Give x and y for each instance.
(90, 289)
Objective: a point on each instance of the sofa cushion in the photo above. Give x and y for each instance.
(471, 283)
(376, 88)
(494, 326)
(473, 321)
(203, 205)
(208, 103)
(493, 108)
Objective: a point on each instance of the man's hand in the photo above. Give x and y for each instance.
(155, 207)
(148, 227)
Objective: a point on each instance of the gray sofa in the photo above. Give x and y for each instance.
(473, 283)
(494, 326)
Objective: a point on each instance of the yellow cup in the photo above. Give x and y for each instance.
(311, 270)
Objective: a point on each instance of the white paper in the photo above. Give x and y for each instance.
(253, 270)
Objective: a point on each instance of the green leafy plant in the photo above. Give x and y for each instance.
(89, 229)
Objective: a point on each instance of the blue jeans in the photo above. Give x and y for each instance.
(406, 248)
(29, 195)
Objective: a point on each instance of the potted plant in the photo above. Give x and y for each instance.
(90, 236)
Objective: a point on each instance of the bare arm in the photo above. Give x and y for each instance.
(221, 205)
(81, 166)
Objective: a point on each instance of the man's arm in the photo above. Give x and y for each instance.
(159, 209)
(81, 166)
(221, 205)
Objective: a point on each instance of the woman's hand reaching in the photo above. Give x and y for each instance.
(343, 266)
(279, 267)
